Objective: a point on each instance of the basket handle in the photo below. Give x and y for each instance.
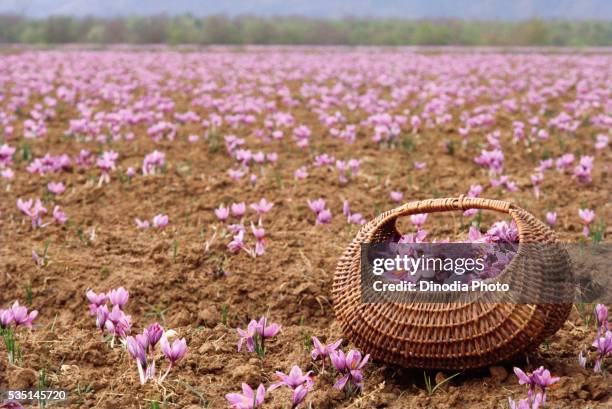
(453, 203)
(383, 227)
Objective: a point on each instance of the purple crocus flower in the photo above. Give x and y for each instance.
(396, 196)
(602, 142)
(118, 297)
(587, 216)
(153, 333)
(160, 221)
(300, 173)
(604, 348)
(237, 242)
(295, 379)
(173, 352)
(21, 316)
(298, 396)
(142, 224)
(238, 209)
(551, 218)
(222, 213)
(317, 205)
(418, 219)
(350, 365)
(95, 301)
(601, 314)
(102, 314)
(248, 399)
(267, 331)
(34, 210)
(138, 352)
(324, 217)
(262, 207)
(59, 216)
(117, 323)
(321, 351)
(6, 318)
(56, 188)
(539, 378)
(152, 162)
(247, 335)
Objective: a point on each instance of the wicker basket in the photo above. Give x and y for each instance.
(454, 335)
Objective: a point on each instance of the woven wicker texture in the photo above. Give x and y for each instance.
(455, 335)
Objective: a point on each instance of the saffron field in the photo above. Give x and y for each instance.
(170, 220)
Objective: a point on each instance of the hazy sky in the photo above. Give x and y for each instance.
(469, 9)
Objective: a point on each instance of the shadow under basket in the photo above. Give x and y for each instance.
(462, 335)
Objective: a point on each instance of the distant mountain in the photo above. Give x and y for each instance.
(412, 9)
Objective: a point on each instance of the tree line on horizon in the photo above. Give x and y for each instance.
(295, 30)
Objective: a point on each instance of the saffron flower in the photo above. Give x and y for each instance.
(260, 235)
(396, 196)
(582, 172)
(238, 209)
(418, 219)
(153, 332)
(173, 352)
(237, 242)
(117, 323)
(19, 316)
(295, 379)
(602, 142)
(34, 210)
(153, 162)
(118, 297)
(298, 396)
(324, 217)
(102, 314)
(106, 163)
(95, 301)
(6, 155)
(321, 351)
(317, 205)
(222, 213)
(601, 315)
(138, 352)
(300, 173)
(256, 334)
(247, 335)
(160, 221)
(6, 318)
(604, 348)
(56, 188)
(248, 399)
(350, 365)
(262, 207)
(551, 218)
(539, 378)
(587, 216)
(564, 161)
(59, 216)
(142, 224)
